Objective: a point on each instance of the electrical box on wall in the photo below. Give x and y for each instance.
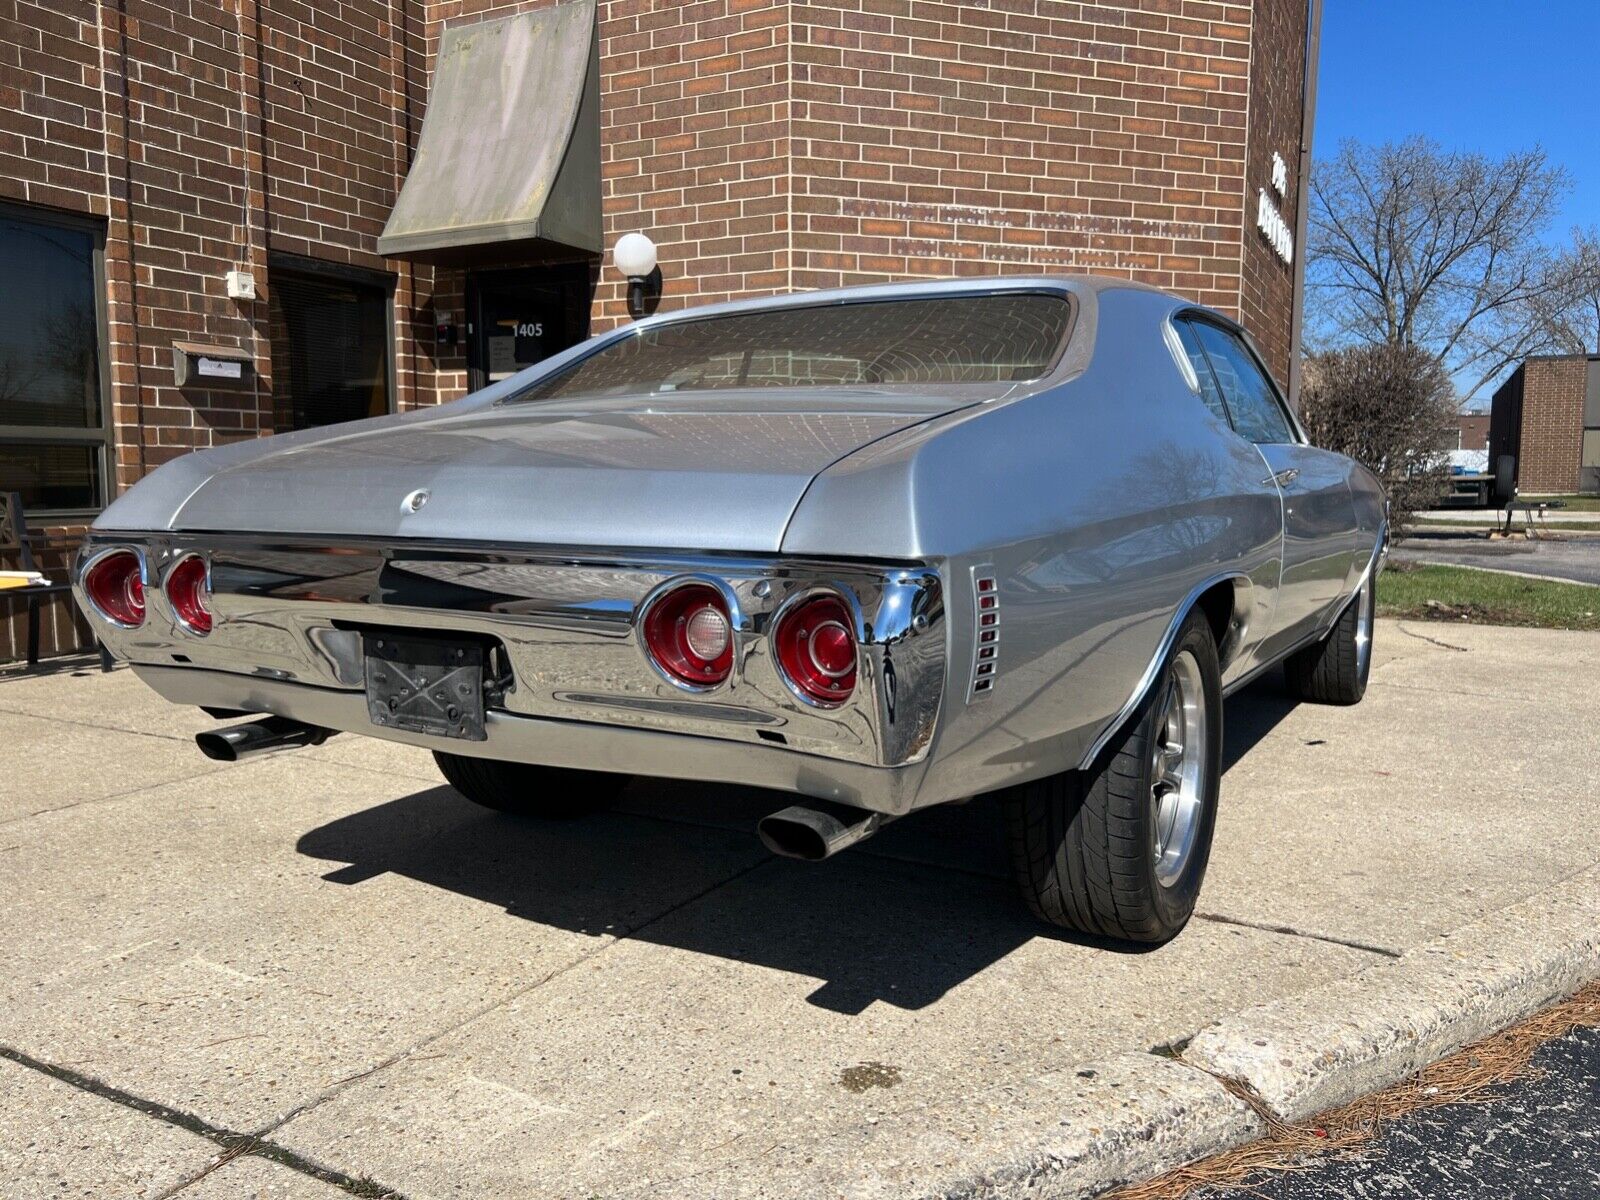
(241, 285)
(210, 366)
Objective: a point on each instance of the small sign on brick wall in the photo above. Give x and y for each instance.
(195, 362)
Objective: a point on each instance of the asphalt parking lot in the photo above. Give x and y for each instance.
(1573, 557)
(1534, 1138)
(331, 951)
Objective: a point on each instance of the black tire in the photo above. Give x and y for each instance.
(1083, 843)
(527, 790)
(1335, 670)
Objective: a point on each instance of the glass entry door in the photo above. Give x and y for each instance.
(518, 318)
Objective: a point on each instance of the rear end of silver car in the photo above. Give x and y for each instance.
(820, 678)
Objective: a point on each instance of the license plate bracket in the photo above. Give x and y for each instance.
(425, 685)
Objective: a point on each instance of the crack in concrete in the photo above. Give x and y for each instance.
(1291, 931)
(58, 720)
(1422, 637)
(234, 1145)
(149, 787)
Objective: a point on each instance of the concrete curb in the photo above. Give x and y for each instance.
(1079, 1132)
(1329, 1046)
(1068, 1135)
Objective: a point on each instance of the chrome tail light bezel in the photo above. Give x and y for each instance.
(98, 559)
(179, 618)
(731, 611)
(852, 625)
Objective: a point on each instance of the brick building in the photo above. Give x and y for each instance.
(1471, 432)
(241, 217)
(1547, 418)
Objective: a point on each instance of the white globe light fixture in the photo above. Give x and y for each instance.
(635, 256)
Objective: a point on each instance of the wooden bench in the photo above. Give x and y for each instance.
(14, 543)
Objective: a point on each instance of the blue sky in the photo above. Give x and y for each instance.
(1473, 75)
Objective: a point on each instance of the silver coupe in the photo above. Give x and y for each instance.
(880, 548)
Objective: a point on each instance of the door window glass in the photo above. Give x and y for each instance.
(523, 317)
(1251, 398)
(330, 350)
(1209, 392)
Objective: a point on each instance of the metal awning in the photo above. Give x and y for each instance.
(510, 146)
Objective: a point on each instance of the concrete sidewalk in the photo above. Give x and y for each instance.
(332, 952)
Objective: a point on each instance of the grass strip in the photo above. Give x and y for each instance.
(1460, 594)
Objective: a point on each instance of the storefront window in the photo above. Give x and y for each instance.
(330, 349)
(52, 419)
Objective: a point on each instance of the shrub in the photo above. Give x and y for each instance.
(1391, 408)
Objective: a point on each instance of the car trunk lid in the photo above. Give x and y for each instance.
(720, 474)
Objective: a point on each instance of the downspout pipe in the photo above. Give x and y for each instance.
(1302, 204)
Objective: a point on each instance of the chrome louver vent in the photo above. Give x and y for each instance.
(986, 640)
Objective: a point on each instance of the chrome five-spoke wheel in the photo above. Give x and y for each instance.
(1178, 770)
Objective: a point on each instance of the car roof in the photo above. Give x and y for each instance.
(971, 285)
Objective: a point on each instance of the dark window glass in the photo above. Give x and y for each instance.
(49, 341)
(1209, 392)
(978, 339)
(330, 350)
(1252, 400)
(52, 421)
(51, 476)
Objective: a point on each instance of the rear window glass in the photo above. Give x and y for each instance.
(1005, 338)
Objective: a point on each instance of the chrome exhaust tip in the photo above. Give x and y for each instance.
(812, 835)
(258, 737)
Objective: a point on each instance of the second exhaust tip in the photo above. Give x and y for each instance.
(812, 835)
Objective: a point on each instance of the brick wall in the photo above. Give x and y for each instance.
(1472, 431)
(1277, 75)
(941, 139)
(1552, 425)
(342, 86)
(764, 144)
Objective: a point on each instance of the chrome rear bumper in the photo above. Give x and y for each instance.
(290, 617)
(556, 743)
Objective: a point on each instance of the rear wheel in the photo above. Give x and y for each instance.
(1121, 850)
(1335, 670)
(528, 790)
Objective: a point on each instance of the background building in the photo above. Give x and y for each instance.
(1472, 432)
(1547, 417)
(229, 219)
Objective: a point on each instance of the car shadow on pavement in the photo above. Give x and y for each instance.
(921, 908)
(926, 909)
(1250, 715)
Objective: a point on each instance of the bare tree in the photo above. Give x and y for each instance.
(1412, 245)
(1389, 407)
(1571, 313)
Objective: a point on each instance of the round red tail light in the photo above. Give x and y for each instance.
(688, 634)
(114, 584)
(189, 590)
(817, 650)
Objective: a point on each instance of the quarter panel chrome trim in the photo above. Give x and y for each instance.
(1152, 672)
